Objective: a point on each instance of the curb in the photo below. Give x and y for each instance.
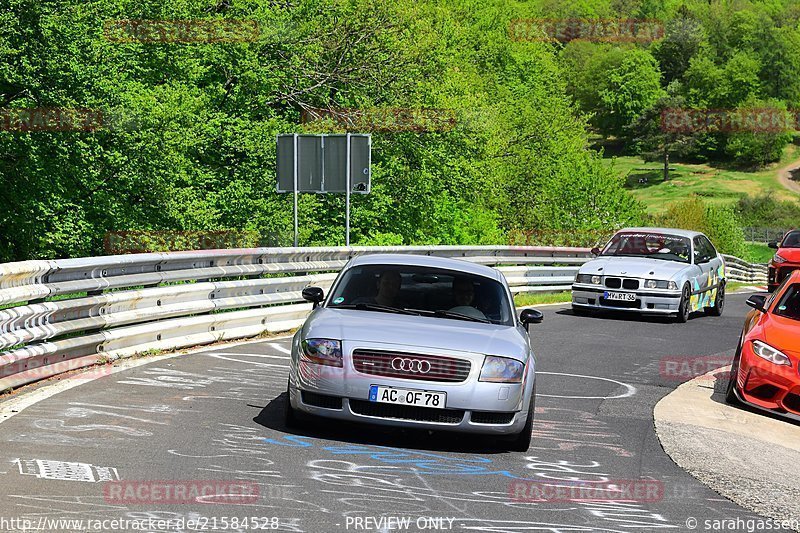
(743, 455)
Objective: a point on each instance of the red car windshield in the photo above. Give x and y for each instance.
(789, 304)
(792, 240)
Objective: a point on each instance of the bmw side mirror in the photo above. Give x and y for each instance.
(314, 295)
(530, 316)
(595, 251)
(758, 302)
(773, 245)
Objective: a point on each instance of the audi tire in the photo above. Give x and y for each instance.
(289, 414)
(522, 441)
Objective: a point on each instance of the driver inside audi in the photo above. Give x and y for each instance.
(464, 298)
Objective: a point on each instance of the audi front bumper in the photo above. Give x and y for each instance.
(471, 406)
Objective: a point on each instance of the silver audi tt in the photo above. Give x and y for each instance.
(653, 270)
(416, 341)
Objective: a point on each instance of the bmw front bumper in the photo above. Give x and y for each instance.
(647, 301)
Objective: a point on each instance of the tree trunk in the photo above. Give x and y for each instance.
(666, 163)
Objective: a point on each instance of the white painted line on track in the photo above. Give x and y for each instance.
(280, 348)
(281, 357)
(18, 403)
(630, 389)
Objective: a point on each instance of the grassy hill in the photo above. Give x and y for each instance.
(715, 184)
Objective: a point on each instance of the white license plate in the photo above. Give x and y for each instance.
(418, 398)
(621, 296)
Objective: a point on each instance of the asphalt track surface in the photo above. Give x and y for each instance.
(218, 415)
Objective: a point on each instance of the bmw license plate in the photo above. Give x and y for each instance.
(417, 398)
(620, 296)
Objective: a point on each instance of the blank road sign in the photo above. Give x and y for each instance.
(322, 163)
(335, 163)
(309, 163)
(359, 163)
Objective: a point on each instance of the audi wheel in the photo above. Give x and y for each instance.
(522, 441)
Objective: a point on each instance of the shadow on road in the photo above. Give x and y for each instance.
(272, 417)
(720, 386)
(625, 317)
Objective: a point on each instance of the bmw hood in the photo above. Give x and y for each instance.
(397, 331)
(633, 267)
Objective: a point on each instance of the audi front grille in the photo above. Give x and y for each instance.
(411, 366)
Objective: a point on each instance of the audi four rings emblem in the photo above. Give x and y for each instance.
(418, 366)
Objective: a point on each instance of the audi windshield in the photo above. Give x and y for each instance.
(649, 245)
(423, 291)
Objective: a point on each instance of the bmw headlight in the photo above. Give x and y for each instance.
(658, 284)
(501, 370)
(765, 351)
(322, 352)
(589, 279)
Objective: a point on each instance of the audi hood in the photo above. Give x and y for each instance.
(404, 332)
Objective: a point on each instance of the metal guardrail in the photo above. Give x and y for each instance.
(71, 313)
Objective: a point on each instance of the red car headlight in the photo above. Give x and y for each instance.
(765, 351)
(778, 259)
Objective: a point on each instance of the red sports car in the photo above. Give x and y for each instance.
(786, 259)
(765, 371)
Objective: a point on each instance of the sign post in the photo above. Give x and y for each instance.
(323, 164)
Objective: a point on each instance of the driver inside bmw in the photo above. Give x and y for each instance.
(464, 297)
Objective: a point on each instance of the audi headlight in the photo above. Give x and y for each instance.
(778, 259)
(657, 284)
(501, 370)
(589, 279)
(765, 351)
(322, 352)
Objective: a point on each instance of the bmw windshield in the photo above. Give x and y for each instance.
(422, 291)
(649, 245)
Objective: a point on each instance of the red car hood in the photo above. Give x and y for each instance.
(783, 333)
(790, 254)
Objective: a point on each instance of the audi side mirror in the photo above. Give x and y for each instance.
(530, 316)
(314, 295)
(773, 245)
(595, 251)
(757, 302)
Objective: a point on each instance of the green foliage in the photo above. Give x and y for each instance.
(192, 143)
(764, 211)
(760, 147)
(615, 84)
(718, 222)
(757, 253)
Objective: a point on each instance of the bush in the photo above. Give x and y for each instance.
(719, 223)
(764, 211)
